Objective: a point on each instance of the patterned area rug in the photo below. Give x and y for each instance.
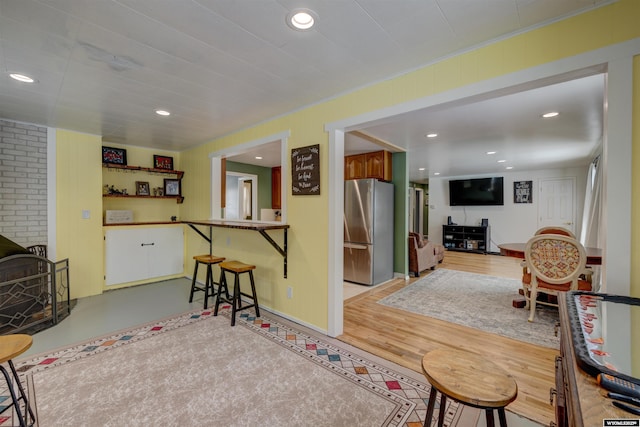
(195, 369)
(477, 301)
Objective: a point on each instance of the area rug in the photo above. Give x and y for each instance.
(195, 369)
(477, 301)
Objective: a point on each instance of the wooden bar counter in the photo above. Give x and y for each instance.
(260, 227)
(580, 401)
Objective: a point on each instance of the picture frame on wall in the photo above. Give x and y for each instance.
(522, 192)
(114, 156)
(142, 188)
(162, 162)
(172, 187)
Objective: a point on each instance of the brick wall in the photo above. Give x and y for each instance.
(23, 182)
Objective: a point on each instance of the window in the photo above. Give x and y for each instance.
(241, 165)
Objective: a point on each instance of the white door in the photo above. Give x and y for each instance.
(557, 203)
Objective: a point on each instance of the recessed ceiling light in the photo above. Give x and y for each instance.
(163, 113)
(436, 173)
(509, 167)
(258, 157)
(432, 135)
(501, 161)
(491, 152)
(421, 169)
(301, 19)
(21, 78)
(550, 114)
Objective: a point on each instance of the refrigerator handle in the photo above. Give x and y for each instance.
(355, 246)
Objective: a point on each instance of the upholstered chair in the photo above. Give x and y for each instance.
(555, 263)
(423, 254)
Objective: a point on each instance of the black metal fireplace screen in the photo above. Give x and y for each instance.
(34, 292)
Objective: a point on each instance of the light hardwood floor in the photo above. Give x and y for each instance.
(404, 338)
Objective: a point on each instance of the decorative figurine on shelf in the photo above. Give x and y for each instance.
(112, 190)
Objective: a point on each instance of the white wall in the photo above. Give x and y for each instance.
(509, 223)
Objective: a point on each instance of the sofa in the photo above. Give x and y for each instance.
(423, 254)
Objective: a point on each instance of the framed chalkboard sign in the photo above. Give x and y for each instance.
(305, 170)
(522, 192)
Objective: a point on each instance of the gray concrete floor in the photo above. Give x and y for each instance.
(115, 310)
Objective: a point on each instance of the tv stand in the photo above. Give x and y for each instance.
(466, 238)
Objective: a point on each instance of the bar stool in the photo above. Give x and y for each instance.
(470, 380)
(208, 290)
(10, 347)
(236, 268)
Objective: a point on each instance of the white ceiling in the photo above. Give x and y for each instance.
(104, 67)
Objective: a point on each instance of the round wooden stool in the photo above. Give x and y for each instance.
(469, 379)
(10, 347)
(236, 268)
(208, 290)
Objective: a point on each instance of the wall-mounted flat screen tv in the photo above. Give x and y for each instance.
(476, 192)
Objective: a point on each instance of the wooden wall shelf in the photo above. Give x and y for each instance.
(143, 169)
(179, 199)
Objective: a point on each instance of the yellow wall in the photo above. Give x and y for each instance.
(307, 215)
(80, 174)
(78, 188)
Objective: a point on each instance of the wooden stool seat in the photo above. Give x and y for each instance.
(469, 379)
(208, 289)
(12, 346)
(208, 259)
(236, 268)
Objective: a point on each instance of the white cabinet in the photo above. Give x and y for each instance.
(140, 253)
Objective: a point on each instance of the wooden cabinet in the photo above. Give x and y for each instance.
(276, 189)
(354, 166)
(141, 253)
(377, 164)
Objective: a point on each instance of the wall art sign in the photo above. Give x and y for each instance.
(305, 170)
(522, 192)
(162, 162)
(115, 156)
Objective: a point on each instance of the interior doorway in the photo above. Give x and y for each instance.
(416, 210)
(241, 196)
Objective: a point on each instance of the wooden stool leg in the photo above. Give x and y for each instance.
(502, 417)
(208, 287)
(441, 413)
(253, 290)
(433, 395)
(236, 298)
(490, 421)
(222, 285)
(193, 282)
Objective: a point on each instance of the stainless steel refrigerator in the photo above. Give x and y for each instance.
(368, 231)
